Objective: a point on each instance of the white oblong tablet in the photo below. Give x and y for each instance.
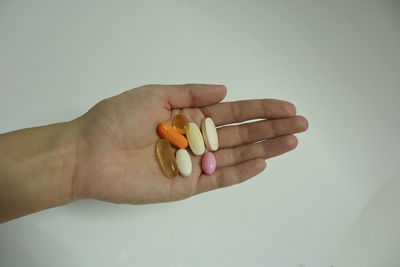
(184, 162)
(210, 134)
(195, 139)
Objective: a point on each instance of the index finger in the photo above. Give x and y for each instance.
(239, 111)
(193, 95)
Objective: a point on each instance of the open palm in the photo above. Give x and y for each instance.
(116, 146)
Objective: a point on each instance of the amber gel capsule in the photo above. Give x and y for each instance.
(180, 123)
(171, 135)
(166, 158)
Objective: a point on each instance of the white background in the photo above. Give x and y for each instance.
(338, 61)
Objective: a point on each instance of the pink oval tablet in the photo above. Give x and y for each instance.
(208, 163)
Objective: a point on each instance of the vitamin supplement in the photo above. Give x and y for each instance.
(166, 158)
(180, 123)
(172, 135)
(208, 163)
(184, 162)
(209, 134)
(195, 139)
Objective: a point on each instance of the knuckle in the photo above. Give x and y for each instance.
(219, 182)
(239, 155)
(243, 134)
(274, 128)
(235, 110)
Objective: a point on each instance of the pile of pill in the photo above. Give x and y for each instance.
(174, 134)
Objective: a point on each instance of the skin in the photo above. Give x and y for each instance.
(108, 153)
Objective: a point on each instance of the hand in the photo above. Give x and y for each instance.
(116, 142)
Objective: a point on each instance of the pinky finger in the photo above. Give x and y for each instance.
(231, 175)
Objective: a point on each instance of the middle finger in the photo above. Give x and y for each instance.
(231, 136)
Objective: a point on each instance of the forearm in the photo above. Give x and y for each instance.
(36, 169)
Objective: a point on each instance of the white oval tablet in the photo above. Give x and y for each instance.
(195, 139)
(210, 134)
(184, 162)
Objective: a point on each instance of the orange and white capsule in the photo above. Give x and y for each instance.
(172, 135)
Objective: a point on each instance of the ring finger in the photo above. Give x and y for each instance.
(265, 149)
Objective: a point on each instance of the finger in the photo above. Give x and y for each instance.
(233, 112)
(265, 149)
(193, 95)
(231, 136)
(228, 176)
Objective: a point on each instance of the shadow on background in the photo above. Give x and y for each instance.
(89, 209)
(21, 241)
(38, 240)
(375, 237)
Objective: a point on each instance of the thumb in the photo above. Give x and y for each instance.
(193, 95)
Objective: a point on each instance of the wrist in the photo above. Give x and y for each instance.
(37, 167)
(72, 154)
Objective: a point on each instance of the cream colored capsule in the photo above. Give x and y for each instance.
(209, 134)
(184, 162)
(195, 139)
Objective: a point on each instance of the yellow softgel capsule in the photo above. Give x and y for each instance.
(166, 158)
(180, 123)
